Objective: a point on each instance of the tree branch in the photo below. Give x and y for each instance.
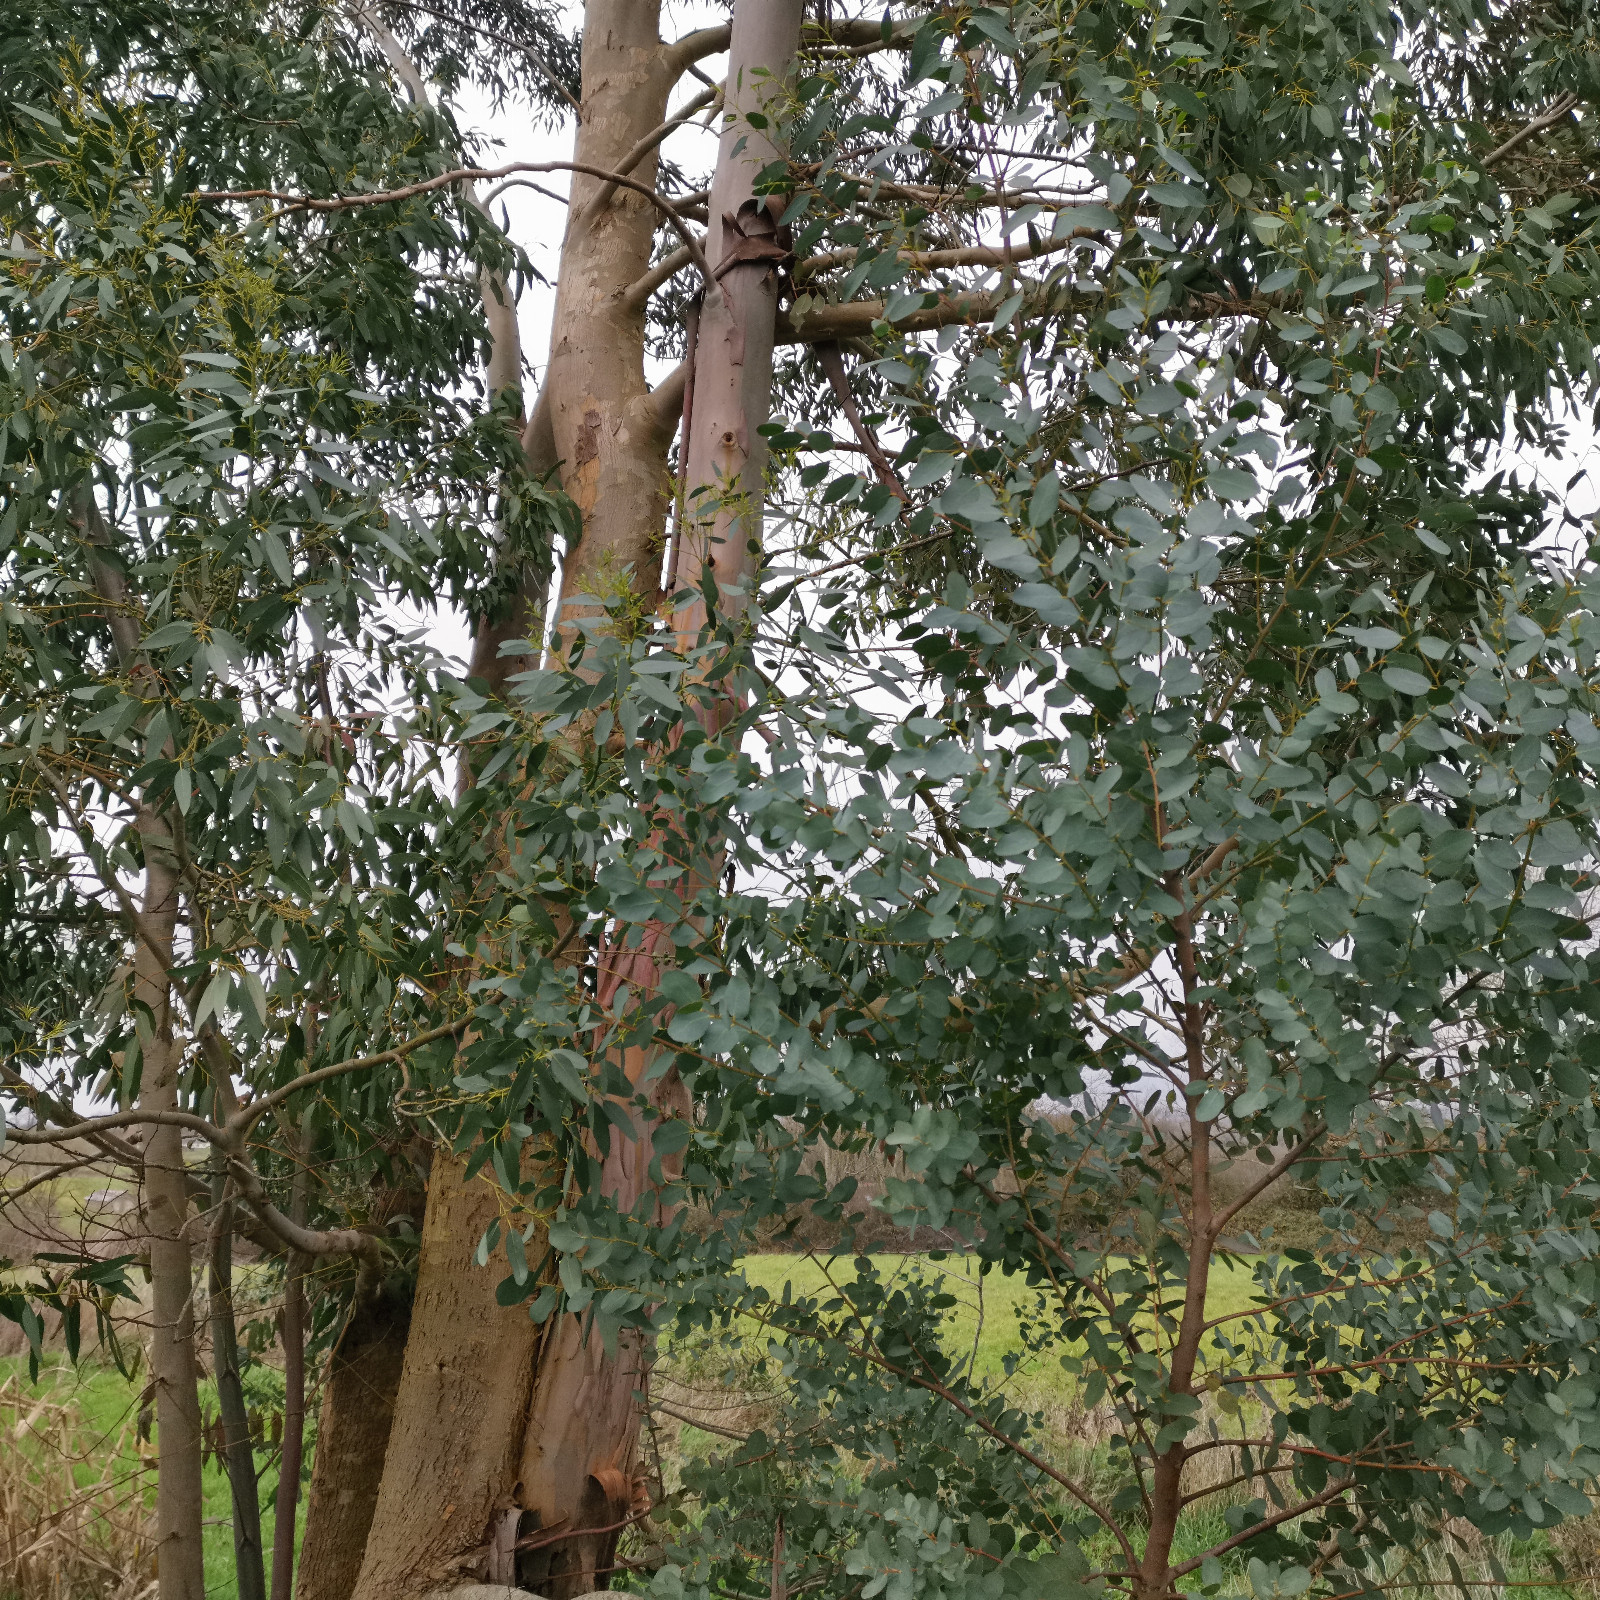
(832, 362)
(1284, 1162)
(499, 38)
(637, 294)
(1564, 107)
(252, 1111)
(291, 203)
(977, 255)
(664, 403)
(695, 47)
(1332, 1492)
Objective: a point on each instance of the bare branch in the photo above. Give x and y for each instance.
(252, 1111)
(1288, 1514)
(649, 142)
(90, 1126)
(308, 1241)
(977, 255)
(854, 319)
(1563, 109)
(685, 53)
(637, 294)
(1270, 1176)
(832, 362)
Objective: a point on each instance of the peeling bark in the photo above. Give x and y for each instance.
(500, 1434)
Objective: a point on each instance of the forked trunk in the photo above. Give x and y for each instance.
(512, 1458)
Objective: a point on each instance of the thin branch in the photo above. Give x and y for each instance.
(498, 38)
(705, 1427)
(651, 140)
(43, 1102)
(535, 1542)
(1332, 1492)
(978, 255)
(525, 183)
(1564, 108)
(253, 1110)
(50, 1175)
(90, 1126)
(832, 363)
(873, 555)
(291, 203)
(854, 319)
(1284, 1162)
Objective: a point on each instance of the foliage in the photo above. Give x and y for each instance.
(233, 449)
(1208, 727)
(1198, 717)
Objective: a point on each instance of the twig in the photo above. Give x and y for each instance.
(831, 360)
(1564, 107)
(291, 203)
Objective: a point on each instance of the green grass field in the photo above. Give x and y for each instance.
(985, 1317)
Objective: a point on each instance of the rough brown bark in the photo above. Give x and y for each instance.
(181, 1568)
(358, 1399)
(461, 1406)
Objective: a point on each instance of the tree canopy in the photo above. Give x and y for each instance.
(1119, 738)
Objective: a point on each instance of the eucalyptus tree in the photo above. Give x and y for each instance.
(1136, 724)
(232, 442)
(1148, 722)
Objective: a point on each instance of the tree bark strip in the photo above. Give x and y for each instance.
(238, 1451)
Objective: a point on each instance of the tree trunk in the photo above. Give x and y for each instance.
(725, 454)
(238, 1451)
(290, 1461)
(499, 1436)
(181, 1567)
(358, 1401)
(461, 1407)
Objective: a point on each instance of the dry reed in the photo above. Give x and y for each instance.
(73, 1518)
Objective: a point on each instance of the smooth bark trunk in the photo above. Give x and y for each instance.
(238, 1452)
(181, 1569)
(503, 1439)
(725, 455)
